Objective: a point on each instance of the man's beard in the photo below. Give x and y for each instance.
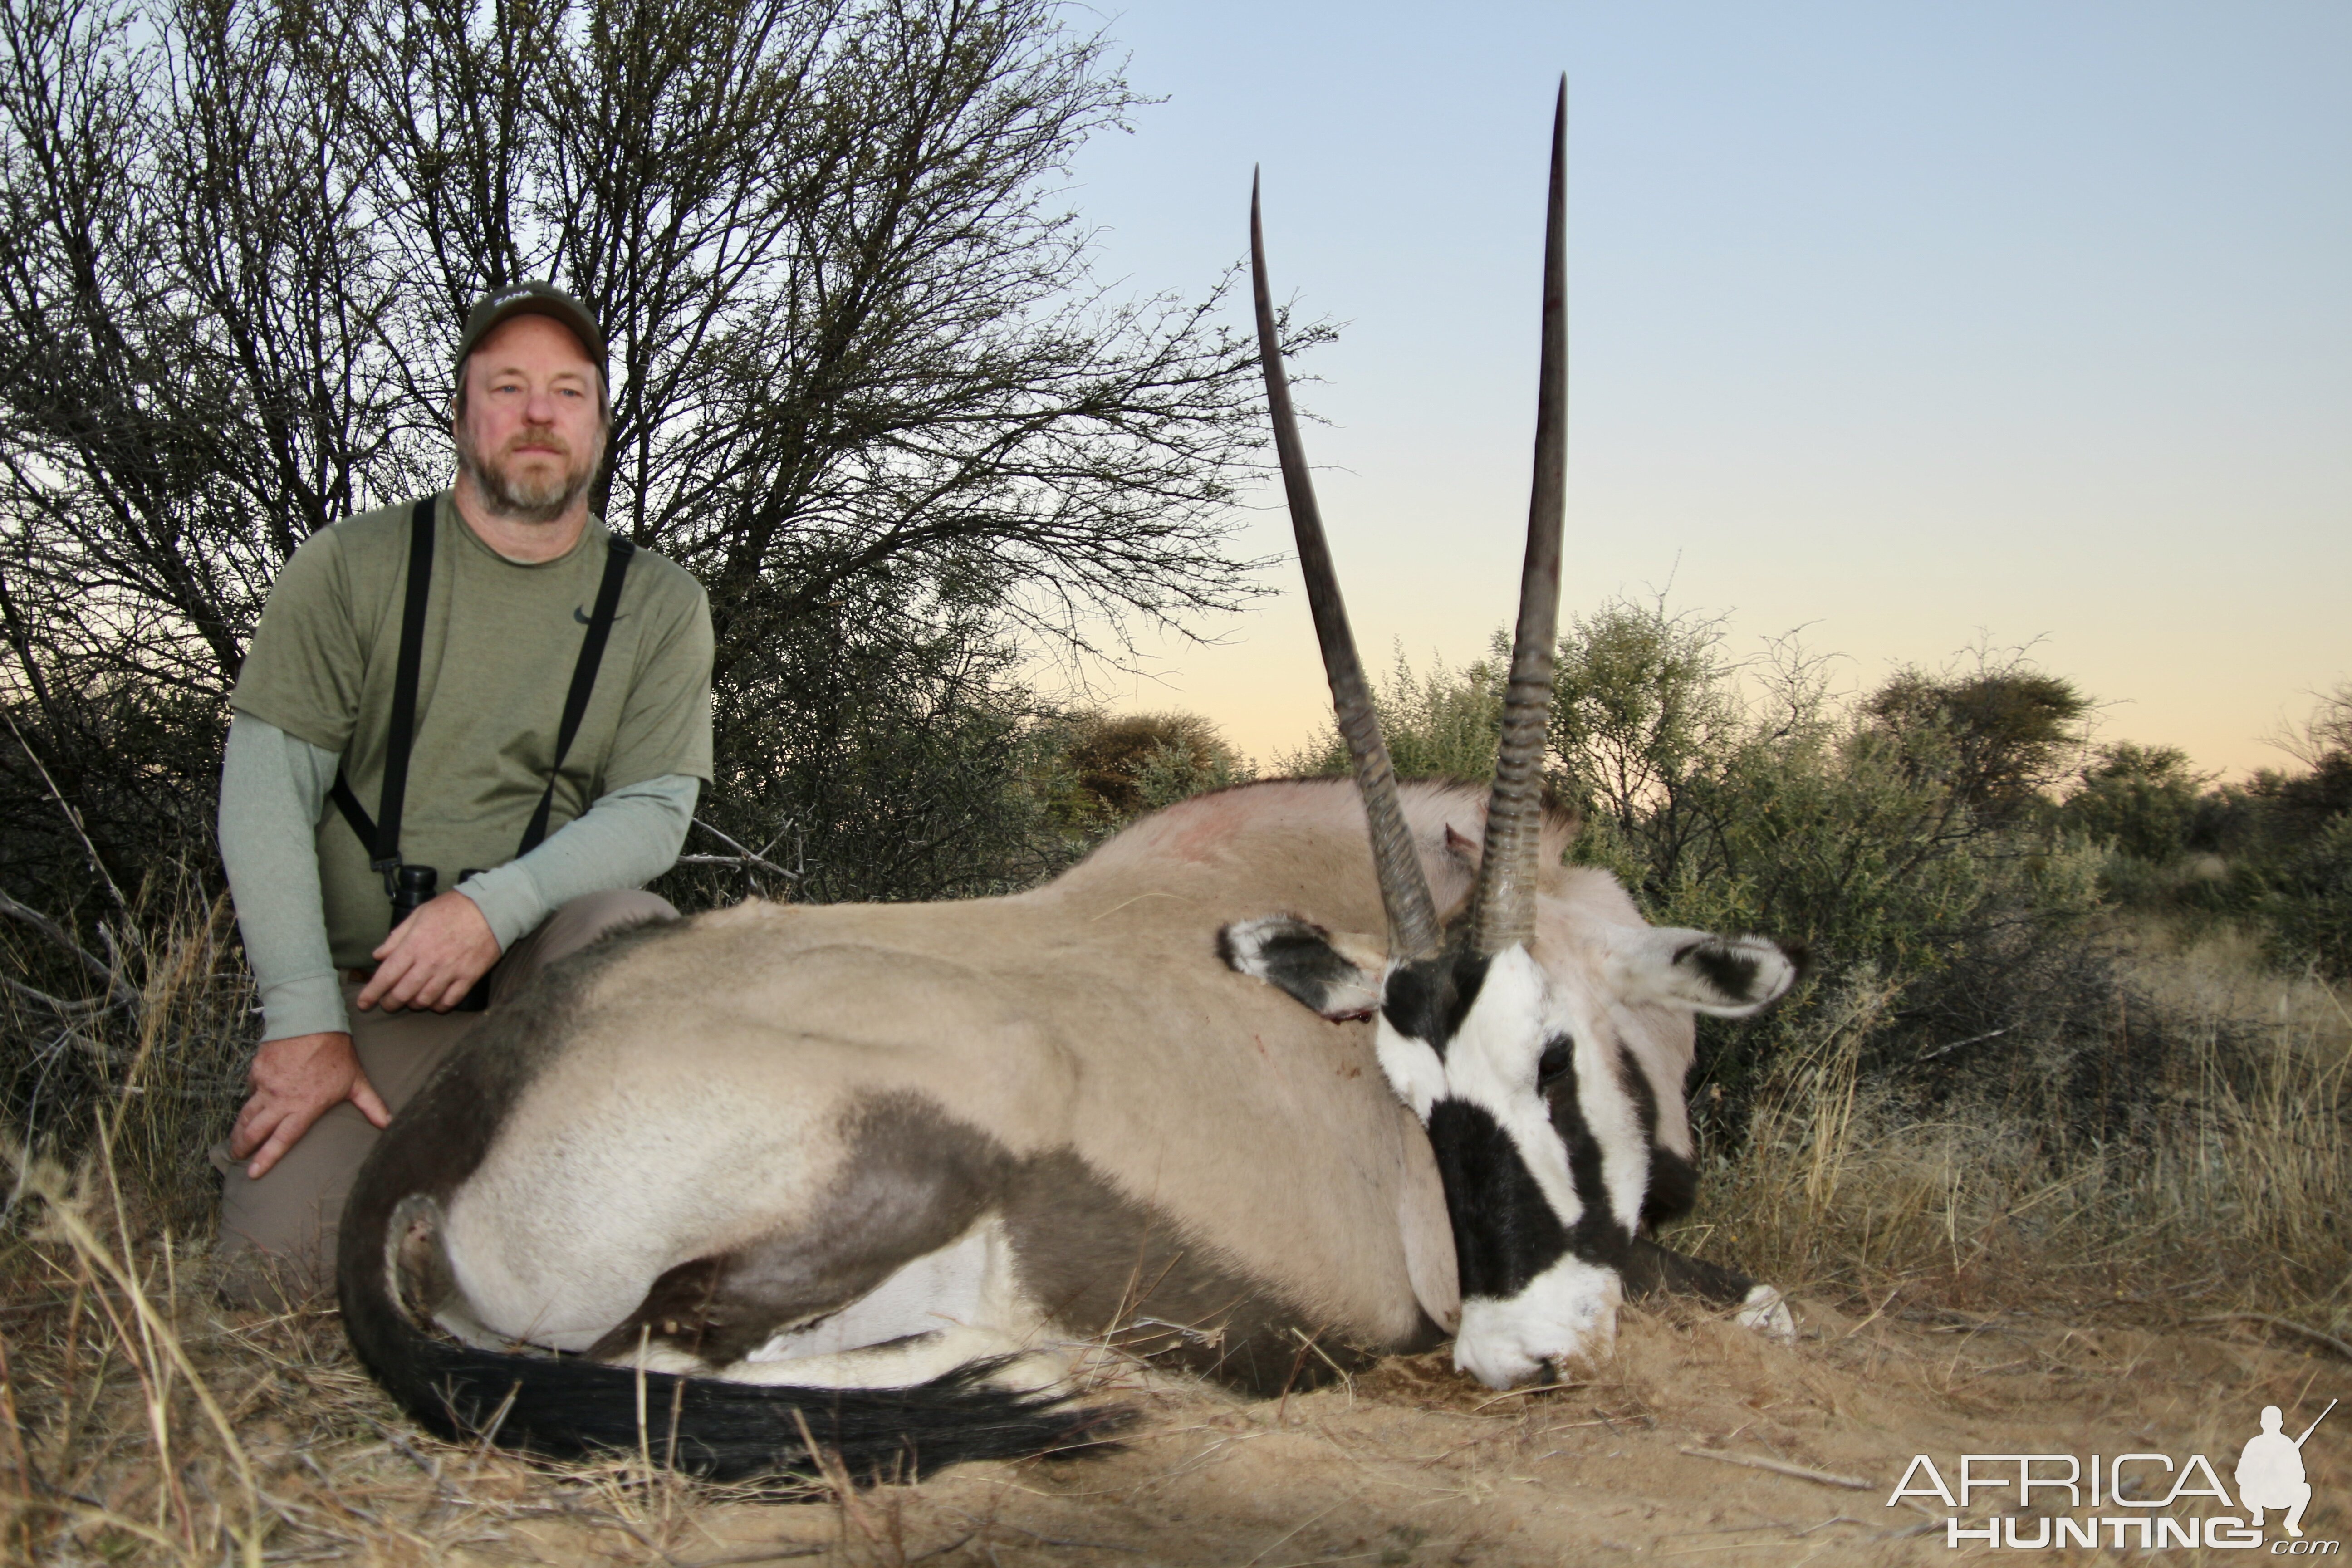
(537, 499)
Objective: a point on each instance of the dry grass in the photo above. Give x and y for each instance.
(143, 1049)
(144, 1422)
(2226, 1195)
(1695, 1438)
(1981, 1279)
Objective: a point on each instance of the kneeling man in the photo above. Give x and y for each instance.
(467, 731)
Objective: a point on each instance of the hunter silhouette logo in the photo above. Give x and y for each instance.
(2270, 1471)
(2134, 1501)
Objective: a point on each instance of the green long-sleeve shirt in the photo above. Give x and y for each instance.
(273, 798)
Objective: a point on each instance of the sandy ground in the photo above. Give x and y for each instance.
(1410, 1464)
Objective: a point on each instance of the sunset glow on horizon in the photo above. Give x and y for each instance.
(2011, 326)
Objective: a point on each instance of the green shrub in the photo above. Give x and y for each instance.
(2140, 801)
(1899, 837)
(867, 762)
(1114, 768)
(2306, 907)
(1442, 724)
(2271, 852)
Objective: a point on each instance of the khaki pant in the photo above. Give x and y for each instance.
(278, 1235)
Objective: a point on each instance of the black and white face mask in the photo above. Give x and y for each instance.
(1544, 1121)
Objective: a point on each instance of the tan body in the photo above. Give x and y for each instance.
(711, 1088)
(886, 1149)
(1166, 1143)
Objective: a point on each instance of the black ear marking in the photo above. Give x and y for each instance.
(1301, 958)
(1733, 974)
(1740, 972)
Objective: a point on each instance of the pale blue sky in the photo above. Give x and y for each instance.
(1908, 322)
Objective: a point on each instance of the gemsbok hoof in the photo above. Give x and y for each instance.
(1766, 1312)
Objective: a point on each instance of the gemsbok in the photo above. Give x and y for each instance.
(1233, 1095)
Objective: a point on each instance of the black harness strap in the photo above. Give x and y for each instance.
(381, 835)
(583, 679)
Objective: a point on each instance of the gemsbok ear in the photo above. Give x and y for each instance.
(1728, 976)
(1337, 975)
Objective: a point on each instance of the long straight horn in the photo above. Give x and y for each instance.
(1504, 912)
(1404, 891)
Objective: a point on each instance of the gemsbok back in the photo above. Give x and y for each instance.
(1232, 1095)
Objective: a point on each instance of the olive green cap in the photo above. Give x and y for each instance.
(531, 297)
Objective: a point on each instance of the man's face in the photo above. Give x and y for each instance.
(532, 434)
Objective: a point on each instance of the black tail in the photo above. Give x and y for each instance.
(564, 1406)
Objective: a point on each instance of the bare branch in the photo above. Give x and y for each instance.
(742, 856)
(63, 939)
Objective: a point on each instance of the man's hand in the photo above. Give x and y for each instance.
(296, 1080)
(433, 958)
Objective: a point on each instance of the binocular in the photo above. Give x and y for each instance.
(412, 890)
(413, 886)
